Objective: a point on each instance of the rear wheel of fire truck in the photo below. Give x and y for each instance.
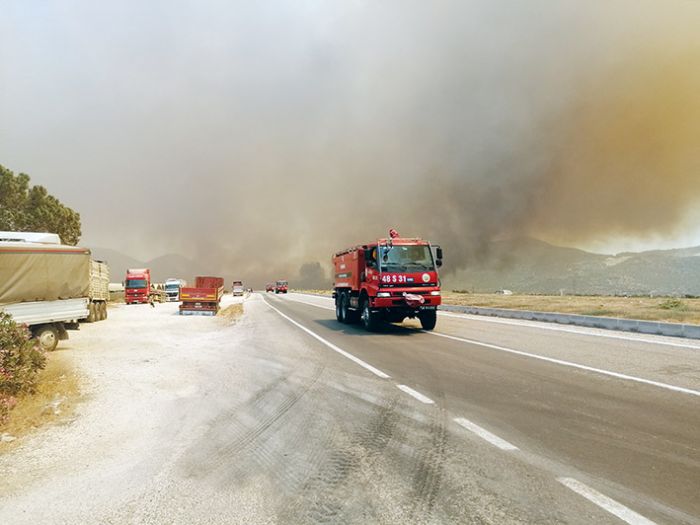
(47, 337)
(370, 320)
(428, 319)
(339, 312)
(349, 316)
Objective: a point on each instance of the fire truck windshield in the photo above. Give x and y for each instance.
(410, 258)
(135, 283)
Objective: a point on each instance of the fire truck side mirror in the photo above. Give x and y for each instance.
(438, 262)
(438, 256)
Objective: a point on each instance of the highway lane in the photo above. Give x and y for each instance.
(637, 443)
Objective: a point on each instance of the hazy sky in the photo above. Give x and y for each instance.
(272, 133)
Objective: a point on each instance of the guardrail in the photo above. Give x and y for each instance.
(690, 331)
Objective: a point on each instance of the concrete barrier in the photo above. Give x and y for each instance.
(690, 331)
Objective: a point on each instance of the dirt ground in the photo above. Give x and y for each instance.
(54, 402)
(645, 308)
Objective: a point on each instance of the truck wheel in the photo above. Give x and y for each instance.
(47, 337)
(92, 313)
(370, 320)
(428, 319)
(350, 316)
(104, 311)
(339, 307)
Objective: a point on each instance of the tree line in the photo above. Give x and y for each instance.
(31, 208)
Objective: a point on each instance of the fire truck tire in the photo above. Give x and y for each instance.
(339, 307)
(349, 316)
(428, 319)
(370, 320)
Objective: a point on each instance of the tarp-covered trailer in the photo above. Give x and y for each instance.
(99, 291)
(44, 285)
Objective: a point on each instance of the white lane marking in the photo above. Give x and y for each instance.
(311, 304)
(484, 434)
(572, 365)
(420, 397)
(330, 345)
(531, 325)
(610, 505)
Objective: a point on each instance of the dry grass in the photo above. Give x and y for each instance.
(54, 401)
(232, 312)
(644, 308)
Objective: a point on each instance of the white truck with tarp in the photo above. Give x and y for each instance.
(49, 286)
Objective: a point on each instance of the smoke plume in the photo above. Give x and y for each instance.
(261, 138)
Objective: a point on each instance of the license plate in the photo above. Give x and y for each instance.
(428, 308)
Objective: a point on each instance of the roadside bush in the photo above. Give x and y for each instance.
(674, 304)
(20, 362)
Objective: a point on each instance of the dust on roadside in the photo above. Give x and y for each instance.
(57, 394)
(231, 313)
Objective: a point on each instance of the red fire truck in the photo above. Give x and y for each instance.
(281, 286)
(388, 280)
(203, 298)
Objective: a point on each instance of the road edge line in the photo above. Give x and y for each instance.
(330, 345)
(485, 434)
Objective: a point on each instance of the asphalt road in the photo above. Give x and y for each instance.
(626, 425)
(290, 417)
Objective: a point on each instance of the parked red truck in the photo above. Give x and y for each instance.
(203, 298)
(137, 285)
(388, 280)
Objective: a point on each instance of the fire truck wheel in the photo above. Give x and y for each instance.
(339, 307)
(348, 315)
(370, 320)
(351, 316)
(428, 319)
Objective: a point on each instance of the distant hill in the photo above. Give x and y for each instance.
(163, 267)
(532, 266)
(522, 265)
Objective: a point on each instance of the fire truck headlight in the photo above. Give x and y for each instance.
(436, 292)
(384, 294)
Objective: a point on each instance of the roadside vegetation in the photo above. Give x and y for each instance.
(34, 389)
(666, 309)
(20, 362)
(31, 208)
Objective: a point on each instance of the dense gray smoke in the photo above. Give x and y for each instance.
(260, 137)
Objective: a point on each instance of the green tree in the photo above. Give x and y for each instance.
(32, 208)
